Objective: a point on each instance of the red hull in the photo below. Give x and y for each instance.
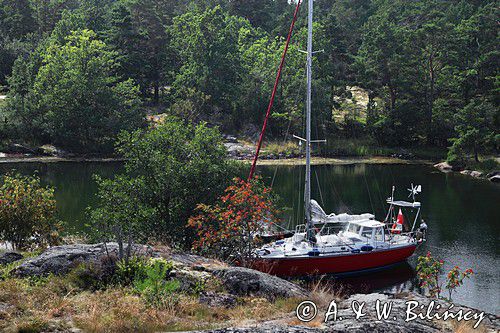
(333, 264)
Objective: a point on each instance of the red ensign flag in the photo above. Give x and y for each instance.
(401, 218)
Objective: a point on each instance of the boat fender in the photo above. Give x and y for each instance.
(313, 253)
(355, 250)
(366, 248)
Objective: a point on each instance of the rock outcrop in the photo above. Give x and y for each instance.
(218, 299)
(353, 104)
(238, 281)
(50, 150)
(472, 173)
(264, 328)
(444, 167)
(395, 323)
(238, 151)
(17, 148)
(494, 176)
(188, 268)
(248, 282)
(61, 259)
(9, 257)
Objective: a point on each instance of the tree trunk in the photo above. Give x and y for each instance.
(476, 157)
(156, 92)
(393, 99)
(129, 247)
(430, 100)
(119, 240)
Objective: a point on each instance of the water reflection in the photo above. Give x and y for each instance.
(397, 278)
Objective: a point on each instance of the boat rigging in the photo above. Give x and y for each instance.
(335, 243)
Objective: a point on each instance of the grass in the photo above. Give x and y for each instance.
(36, 304)
(367, 147)
(285, 149)
(351, 148)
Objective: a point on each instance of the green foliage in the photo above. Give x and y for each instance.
(487, 165)
(206, 43)
(122, 212)
(155, 287)
(168, 171)
(455, 278)
(422, 62)
(428, 270)
(127, 271)
(475, 128)
(456, 157)
(72, 98)
(27, 212)
(137, 30)
(5, 270)
(34, 325)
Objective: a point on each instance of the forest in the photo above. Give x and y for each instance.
(78, 72)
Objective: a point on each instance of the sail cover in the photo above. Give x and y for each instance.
(415, 204)
(319, 216)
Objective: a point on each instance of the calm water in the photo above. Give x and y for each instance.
(463, 213)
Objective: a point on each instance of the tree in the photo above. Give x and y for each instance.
(475, 127)
(138, 32)
(75, 100)
(16, 18)
(265, 14)
(27, 212)
(16, 22)
(47, 13)
(228, 229)
(207, 51)
(121, 212)
(168, 170)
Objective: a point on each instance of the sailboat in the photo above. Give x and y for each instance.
(333, 243)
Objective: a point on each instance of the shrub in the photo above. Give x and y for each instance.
(155, 287)
(227, 229)
(429, 269)
(27, 212)
(127, 271)
(455, 279)
(33, 325)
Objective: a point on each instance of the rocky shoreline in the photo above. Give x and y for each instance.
(236, 151)
(395, 323)
(445, 167)
(244, 282)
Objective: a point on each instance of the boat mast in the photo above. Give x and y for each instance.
(307, 191)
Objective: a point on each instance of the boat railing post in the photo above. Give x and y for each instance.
(416, 217)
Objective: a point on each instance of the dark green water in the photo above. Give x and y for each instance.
(463, 213)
